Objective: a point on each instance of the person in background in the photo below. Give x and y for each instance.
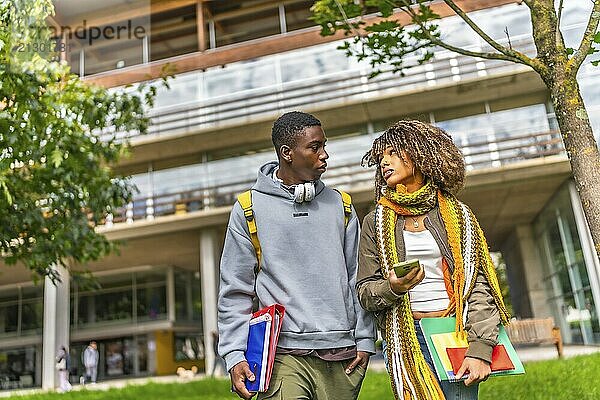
(63, 365)
(90, 362)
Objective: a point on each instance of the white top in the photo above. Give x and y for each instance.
(430, 294)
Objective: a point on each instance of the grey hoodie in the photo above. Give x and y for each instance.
(309, 265)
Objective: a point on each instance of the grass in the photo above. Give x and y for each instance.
(573, 378)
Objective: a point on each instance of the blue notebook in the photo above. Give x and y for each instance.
(257, 351)
(263, 335)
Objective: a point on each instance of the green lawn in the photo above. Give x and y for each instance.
(575, 378)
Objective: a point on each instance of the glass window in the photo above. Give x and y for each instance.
(501, 137)
(565, 271)
(73, 57)
(182, 293)
(32, 315)
(297, 15)
(152, 302)
(239, 77)
(188, 299)
(115, 360)
(17, 368)
(9, 317)
(108, 47)
(24, 303)
(196, 298)
(112, 302)
(173, 33)
(239, 21)
(315, 62)
(184, 88)
(188, 346)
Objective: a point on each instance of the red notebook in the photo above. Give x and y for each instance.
(500, 359)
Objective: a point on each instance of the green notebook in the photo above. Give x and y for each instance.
(445, 347)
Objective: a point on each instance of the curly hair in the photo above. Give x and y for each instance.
(429, 147)
(287, 128)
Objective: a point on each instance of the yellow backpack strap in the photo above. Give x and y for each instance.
(245, 200)
(347, 200)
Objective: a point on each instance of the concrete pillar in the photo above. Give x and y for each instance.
(210, 283)
(525, 274)
(171, 311)
(534, 272)
(56, 324)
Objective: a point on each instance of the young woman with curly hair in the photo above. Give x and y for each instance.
(419, 170)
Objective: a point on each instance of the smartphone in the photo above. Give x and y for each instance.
(404, 267)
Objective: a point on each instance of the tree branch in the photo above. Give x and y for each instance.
(521, 59)
(559, 41)
(560, 9)
(476, 28)
(586, 43)
(513, 55)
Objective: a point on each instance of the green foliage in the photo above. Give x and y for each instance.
(55, 181)
(385, 44)
(593, 50)
(334, 15)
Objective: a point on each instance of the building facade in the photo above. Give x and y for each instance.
(239, 65)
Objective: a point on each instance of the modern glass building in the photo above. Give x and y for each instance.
(239, 65)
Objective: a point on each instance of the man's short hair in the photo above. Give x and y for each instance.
(287, 128)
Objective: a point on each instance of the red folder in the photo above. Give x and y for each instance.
(500, 359)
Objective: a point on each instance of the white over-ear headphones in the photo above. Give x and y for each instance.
(304, 192)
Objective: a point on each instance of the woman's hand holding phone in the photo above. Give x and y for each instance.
(401, 285)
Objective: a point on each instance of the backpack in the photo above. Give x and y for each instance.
(245, 200)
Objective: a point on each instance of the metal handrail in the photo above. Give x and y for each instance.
(507, 150)
(293, 94)
(525, 44)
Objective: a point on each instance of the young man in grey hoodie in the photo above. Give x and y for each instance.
(308, 264)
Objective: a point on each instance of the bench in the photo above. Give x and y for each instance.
(535, 331)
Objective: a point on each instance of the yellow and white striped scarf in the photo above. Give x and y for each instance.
(411, 377)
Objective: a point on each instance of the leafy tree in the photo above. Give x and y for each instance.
(56, 183)
(413, 30)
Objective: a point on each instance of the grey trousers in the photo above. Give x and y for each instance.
(91, 373)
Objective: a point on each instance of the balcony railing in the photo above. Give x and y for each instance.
(347, 84)
(486, 153)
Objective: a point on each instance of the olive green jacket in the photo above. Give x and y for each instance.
(375, 293)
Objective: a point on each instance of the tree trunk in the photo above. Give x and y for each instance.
(580, 145)
(571, 115)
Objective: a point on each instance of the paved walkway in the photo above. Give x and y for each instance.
(526, 354)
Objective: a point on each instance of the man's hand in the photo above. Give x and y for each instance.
(404, 284)
(362, 359)
(478, 370)
(238, 374)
